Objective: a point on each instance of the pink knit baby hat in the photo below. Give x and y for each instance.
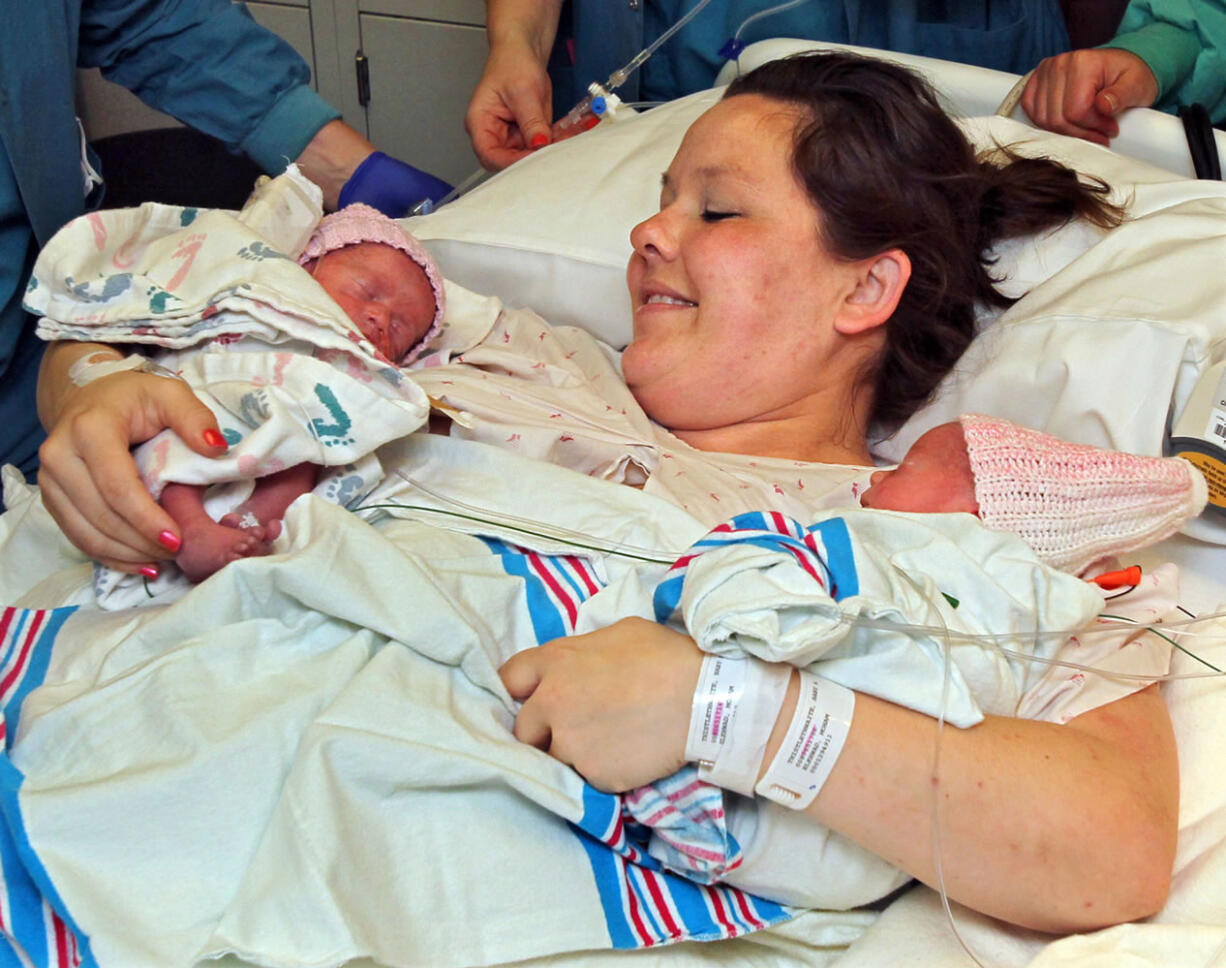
(1075, 504)
(360, 223)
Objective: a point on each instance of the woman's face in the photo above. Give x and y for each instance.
(735, 297)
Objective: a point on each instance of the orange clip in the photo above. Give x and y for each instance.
(1118, 579)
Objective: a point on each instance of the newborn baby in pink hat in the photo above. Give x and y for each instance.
(392, 291)
(1074, 505)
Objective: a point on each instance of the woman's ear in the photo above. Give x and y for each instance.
(879, 284)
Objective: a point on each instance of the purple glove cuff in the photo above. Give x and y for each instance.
(390, 185)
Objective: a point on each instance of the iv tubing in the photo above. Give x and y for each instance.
(788, 5)
(618, 77)
(426, 206)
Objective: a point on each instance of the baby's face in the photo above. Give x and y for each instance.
(384, 292)
(935, 476)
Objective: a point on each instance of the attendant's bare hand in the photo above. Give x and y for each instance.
(1081, 93)
(614, 704)
(509, 113)
(88, 480)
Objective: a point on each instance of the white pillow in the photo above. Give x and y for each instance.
(1110, 337)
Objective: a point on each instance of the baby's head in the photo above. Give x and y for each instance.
(934, 476)
(1073, 504)
(382, 278)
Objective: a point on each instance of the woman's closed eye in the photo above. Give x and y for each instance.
(712, 215)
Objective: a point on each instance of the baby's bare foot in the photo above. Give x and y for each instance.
(207, 547)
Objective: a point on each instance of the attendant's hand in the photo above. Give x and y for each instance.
(509, 113)
(614, 704)
(1081, 92)
(88, 480)
(349, 169)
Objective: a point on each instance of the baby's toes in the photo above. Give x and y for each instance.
(246, 522)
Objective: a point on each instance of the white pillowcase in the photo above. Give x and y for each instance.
(1110, 336)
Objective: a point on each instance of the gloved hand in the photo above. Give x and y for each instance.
(390, 185)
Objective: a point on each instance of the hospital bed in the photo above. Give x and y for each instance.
(1105, 348)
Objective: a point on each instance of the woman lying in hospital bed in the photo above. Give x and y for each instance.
(794, 602)
(815, 436)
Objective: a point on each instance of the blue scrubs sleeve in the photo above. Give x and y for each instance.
(207, 63)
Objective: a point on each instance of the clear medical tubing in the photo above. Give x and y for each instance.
(577, 114)
(618, 77)
(426, 205)
(765, 13)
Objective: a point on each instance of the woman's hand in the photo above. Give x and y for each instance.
(614, 704)
(510, 110)
(88, 480)
(1081, 92)
(508, 116)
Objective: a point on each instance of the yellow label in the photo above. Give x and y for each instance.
(1215, 475)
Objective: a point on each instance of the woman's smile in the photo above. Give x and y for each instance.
(734, 293)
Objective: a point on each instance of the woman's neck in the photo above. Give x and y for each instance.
(836, 442)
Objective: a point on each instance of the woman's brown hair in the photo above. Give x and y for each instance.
(887, 168)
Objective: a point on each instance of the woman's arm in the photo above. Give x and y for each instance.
(1057, 828)
(511, 108)
(87, 478)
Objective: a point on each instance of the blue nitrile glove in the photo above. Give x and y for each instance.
(390, 185)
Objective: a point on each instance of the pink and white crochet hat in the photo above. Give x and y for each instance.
(360, 223)
(1075, 504)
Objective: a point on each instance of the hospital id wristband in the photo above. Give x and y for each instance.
(754, 712)
(89, 368)
(733, 712)
(814, 740)
(720, 682)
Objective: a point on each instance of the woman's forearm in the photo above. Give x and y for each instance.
(1057, 828)
(523, 23)
(54, 385)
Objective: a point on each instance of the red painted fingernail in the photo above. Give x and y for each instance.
(214, 438)
(169, 540)
(539, 140)
(149, 571)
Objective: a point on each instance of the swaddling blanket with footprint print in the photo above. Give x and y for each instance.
(218, 298)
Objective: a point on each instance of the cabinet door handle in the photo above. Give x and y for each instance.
(362, 65)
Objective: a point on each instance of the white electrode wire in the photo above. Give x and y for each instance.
(935, 787)
(618, 77)
(765, 13)
(528, 527)
(452, 507)
(1216, 959)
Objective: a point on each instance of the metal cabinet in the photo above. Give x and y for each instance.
(415, 75)
(400, 71)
